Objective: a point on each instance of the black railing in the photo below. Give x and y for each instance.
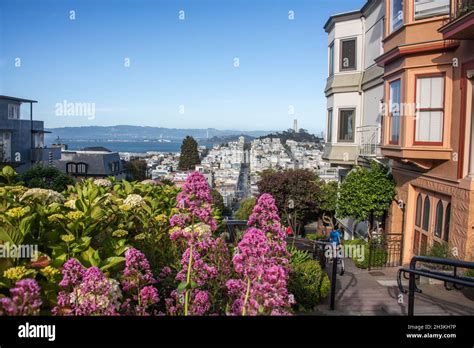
(415, 273)
(231, 226)
(385, 250)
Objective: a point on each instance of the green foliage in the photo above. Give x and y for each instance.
(301, 136)
(365, 192)
(329, 197)
(298, 256)
(189, 154)
(301, 186)
(441, 250)
(378, 255)
(47, 178)
(137, 169)
(308, 283)
(218, 203)
(92, 222)
(245, 209)
(8, 175)
(316, 236)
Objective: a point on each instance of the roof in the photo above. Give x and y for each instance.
(96, 148)
(21, 100)
(341, 16)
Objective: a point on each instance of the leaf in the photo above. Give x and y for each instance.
(91, 256)
(182, 286)
(59, 261)
(110, 262)
(4, 236)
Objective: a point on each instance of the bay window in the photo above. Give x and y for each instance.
(346, 125)
(429, 109)
(431, 8)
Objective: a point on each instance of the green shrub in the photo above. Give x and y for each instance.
(298, 256)
(379, 256)
(316, 236)
(308, 283)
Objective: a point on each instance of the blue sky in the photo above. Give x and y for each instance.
(172, 62)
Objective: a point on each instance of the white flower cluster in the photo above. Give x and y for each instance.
(134, 200)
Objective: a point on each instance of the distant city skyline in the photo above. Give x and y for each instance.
(236, 64)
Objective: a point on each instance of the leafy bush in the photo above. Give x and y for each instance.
(379, 256)
(298, 256)
(245, 209)
(309, 284)
(47, 178)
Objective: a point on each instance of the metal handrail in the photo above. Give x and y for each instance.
(414, 272)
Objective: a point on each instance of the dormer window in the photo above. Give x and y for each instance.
(13, 111)
(71, 168)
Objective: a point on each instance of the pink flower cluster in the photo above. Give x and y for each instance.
(137, 284)
(262, 264)
(262, 286)
(209, 262)
(87, 292)
(25, 299)
(265, 217)
(195, 200)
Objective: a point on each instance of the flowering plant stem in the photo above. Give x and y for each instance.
(188, 280)
(247, 293)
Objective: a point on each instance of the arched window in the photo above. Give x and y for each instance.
(426, 214)
(447, 220)
(439, 219)
(419, 201)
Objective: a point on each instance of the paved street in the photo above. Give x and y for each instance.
(360, 292)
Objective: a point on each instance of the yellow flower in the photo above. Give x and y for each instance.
(67, 238)
(50, 272)
(140, 236)
(125, 207)
(2, 191)
(55, 217)
(15, 273)
(17, 212)
(161, 218)
(71, 204)
(119, 233)
(74, 215)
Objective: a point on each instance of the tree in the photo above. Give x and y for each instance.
(329, 201)
(189, 154)
(366, 194)
(218, 202)
(245, 209)
(46, 177)
(299, 188)
(137, 169)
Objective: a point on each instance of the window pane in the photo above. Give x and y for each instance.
(430, 92)
(447, 221)
(426, 214)
(329, 134)
(418, 210)
(331, 60)
(395, 111)
(346, 125)
(429, 8)
(348, 55)
(439, 219)
(429, 126)
(396, 14)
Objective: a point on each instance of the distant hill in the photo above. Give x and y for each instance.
(138, 133)
(290, 134)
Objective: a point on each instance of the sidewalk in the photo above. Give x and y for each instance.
(360, 292)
